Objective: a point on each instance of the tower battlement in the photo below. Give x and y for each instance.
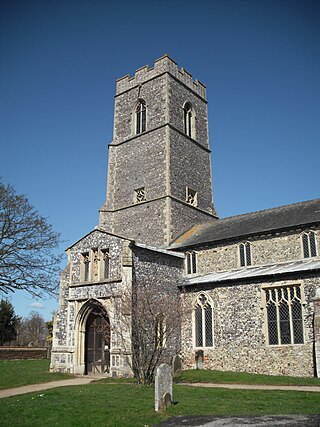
(162, 65)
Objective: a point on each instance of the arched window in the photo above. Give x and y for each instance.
(188, 119)
(309, 244)
(284, 315)
(203, 322)
(141, 116)
(245, 254)
(191, 262)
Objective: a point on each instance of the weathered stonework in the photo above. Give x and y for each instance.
(267, 249)
(167, 162)
(162, 160)
(240, 335)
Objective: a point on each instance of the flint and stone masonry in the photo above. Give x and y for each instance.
(248, 286)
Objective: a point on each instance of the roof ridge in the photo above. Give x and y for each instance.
(269, 209)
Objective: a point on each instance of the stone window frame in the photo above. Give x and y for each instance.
(85, 266)
(309, 250)
(191, 262)
(140, 117)
(104, 255)
(245, 260)
(289, 284)
(189, 120)
(203, 320)
(191, 197)
(87, 260)
(139, 195)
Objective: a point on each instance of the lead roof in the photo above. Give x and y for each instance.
(250, 224)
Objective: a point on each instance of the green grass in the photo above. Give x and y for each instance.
(119, 404)
(206, 376)
(15, 373)
(130, 405)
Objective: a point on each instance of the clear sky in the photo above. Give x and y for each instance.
(260, 61)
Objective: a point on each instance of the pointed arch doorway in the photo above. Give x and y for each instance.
(97, 342)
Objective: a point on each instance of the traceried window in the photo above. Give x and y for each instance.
(139, 195)
(85, 266)
(191, 262)
(191, 197)
(105, 264)
(284, 315)
(203, 322)
(309, 244)
(141, 116)
(188, 118)
(245, 254)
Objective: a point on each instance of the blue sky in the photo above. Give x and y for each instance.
(59, 60)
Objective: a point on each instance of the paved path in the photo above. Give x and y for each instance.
(86, 380)
(208, 421)
(44, 386)
(257, 386)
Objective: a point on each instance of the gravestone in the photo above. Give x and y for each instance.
(176, 364)
(163, 387)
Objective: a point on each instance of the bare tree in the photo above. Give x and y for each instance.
(27, 244)
(32, 330)
(154, 320)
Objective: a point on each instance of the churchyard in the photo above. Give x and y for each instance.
(111, 402)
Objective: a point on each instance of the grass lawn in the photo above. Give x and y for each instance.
(205, 376)
(130, 405)
(119, 404)
(15, 373)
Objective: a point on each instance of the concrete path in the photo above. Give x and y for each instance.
(8, 392)
(86, 380)
(256, 386)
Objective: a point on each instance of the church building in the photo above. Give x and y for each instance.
(248, 285)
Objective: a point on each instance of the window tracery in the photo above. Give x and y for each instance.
(141, 116)
(188, 119)
(191, 197)
(284, 315)
(245, 254)
(191, 262)
(309, 244)
(139, 195)
(203, 321)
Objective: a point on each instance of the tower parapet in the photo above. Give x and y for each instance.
(162, 65)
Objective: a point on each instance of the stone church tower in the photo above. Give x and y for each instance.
(159, 173)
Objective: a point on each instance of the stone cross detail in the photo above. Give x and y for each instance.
(163, 387)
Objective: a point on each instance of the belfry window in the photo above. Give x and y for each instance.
(245, 254)
(191, 262)
(203, 322)
(284, 315)
(141, 116)
(191, 197)
(188, 118)
(309, 244)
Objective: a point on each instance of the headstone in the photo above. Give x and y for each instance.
(163, 387)
(176, 364)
